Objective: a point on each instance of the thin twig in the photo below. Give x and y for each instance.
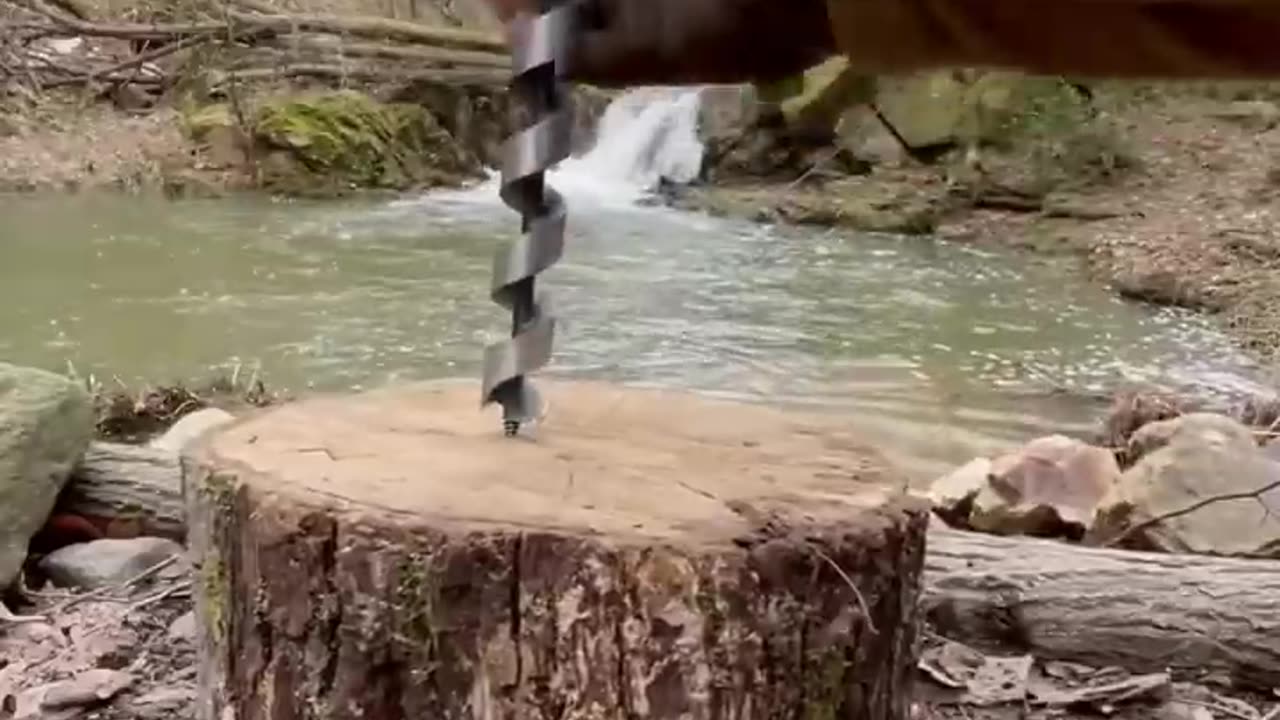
(1218, 707)
(7, 616)
(317, 45)
(1251, 495)
(127, 31)
(136, 61)
(184, 586)
(479, 77)
(814, 167)
(372, 26)
(107, 589)
(912, 151)
(175, 588)
(862, 602)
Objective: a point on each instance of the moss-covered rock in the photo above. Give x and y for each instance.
(955, 107)
(220, 141)
(477, 117)
(332, 143)
(1038, 133)
(828, 90)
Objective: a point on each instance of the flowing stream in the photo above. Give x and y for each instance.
(939, 350)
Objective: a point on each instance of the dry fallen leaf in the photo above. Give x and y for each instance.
(1105, 697)
(985, 679)
(87, 688)
(1183, 711)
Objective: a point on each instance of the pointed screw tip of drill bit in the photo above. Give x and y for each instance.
(510, 428)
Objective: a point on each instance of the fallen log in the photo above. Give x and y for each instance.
(651, 554)
(231, 23)
(328, 47)
(137, 61)
(127, 490)
(371, 27)
(1145, 612)
(126, 31)
(478, 77)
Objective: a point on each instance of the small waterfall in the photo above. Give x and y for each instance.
(645, 136)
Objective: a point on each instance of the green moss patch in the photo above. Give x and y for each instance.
(335, 142)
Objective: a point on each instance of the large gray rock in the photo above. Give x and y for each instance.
(46, 422)
(1198, 460)
(1051, 487)
(108, 562)
(952, 494)
(1198, 427)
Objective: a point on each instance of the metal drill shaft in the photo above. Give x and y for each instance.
(540, 45)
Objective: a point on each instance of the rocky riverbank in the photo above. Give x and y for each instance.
(98, 621)
(1165, 193)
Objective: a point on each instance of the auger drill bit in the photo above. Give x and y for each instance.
(543, 121)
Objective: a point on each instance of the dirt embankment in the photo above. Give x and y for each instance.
(1193, 224)
(295, 98)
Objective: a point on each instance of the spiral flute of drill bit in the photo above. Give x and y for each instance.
(539, 51)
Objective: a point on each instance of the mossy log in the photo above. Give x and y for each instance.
(641, 554)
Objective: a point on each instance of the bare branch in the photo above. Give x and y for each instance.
(1251, 495)
(443, 56)
(374, 27)
(134, 62)
(478, 77)
(126, 31)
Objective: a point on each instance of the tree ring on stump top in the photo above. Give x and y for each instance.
(620, 462)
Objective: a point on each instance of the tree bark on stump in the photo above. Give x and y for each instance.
(643, 554)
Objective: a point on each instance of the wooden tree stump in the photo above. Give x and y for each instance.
(644, 554)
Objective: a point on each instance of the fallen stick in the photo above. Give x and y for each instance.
(134, 62)
(7, 616)
(240, 22)
(126, 31)
(1145, 612)
(469, 77)
(108, 589)
(337, 48)
(1118, 541)
(373, 27)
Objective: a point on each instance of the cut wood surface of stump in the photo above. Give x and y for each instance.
(640, 554)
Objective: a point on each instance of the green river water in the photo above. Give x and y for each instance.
(939, 350)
